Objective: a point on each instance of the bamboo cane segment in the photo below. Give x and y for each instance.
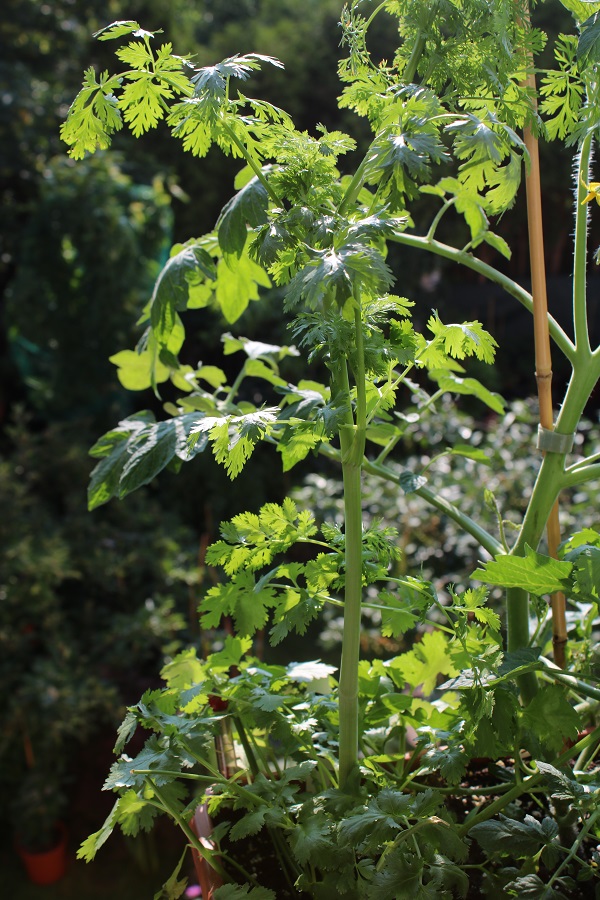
(543, 358)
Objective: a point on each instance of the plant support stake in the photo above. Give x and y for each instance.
(543, 358)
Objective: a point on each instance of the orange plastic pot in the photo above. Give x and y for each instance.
(46, 866)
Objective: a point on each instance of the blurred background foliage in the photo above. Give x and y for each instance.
(89, 604)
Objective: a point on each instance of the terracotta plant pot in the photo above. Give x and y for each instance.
(208, 879)
(46, 866)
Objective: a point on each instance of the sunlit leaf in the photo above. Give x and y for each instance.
(532, 572)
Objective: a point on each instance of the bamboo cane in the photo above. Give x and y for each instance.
(543, 359)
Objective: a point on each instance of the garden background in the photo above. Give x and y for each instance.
(90, 603)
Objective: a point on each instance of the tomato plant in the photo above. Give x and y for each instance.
(323, 765)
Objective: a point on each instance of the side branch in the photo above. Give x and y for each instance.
(511, 287)
(483, 537)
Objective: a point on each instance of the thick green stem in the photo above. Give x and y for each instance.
(352, 443)
(586, 371)
(413, 60)
(517, 618)
(547, 486)
(580, 323)
(355, 186)
(551, 478)
(542, 500)
(352, 608)
(375, 13)
(550, 481)
(581, 475)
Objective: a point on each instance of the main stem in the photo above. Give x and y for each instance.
(352, 445)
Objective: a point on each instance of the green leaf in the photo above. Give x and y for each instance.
(470, 453)
(187, 266)
(581, 8)
(296, 610)
(125, 731)
(238, 281)
(138, 371)
(247, 207)
(136, 452)
(474, 602)
(504, 185)
(369, 823)
(510, 837)
(551, 717)
(239, 599)
(562, 90)
(262, 699)
(441, 835)
(588, 49)
(533, 888)
(561, 786)
(174, 887)
(151, 453)
(401, 878)
(396, 618)
(134, 813)
(137, 55)
(251, 540)
(533, 572)
(121, 773)
(448, 381)
(310, 838)
(476, 139)
(402, 154)
(184, 670)
(451, 763)
(93, 116)
(143, 102)
(298, 441)
(586, 572)
(92, 844)
(422, 665)
(466, 339)
(249, 824)
(256, 368)
(518, 659)
(233, 438)
(581, 539)
(116, 30)
(104, 480)
(113, 448)
(213, 79)
(339, 273)
(498, 243)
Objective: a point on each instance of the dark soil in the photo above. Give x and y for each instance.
(256, 855)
